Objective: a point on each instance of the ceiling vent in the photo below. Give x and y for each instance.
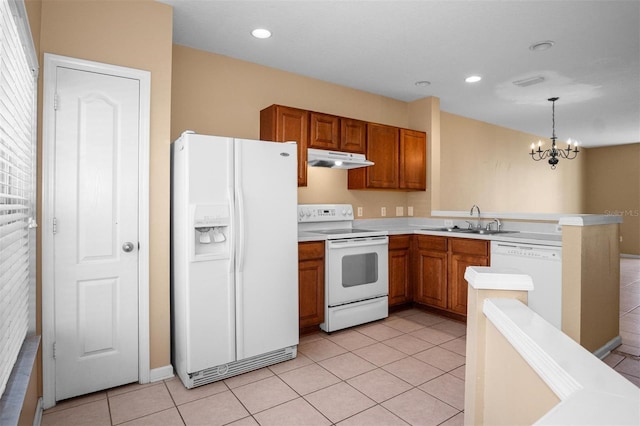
(529, 81)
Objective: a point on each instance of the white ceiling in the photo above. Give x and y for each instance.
(384, 47)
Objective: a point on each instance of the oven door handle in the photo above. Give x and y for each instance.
(355, 242)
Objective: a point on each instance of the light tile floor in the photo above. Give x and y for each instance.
(406, 369)
(626, 358)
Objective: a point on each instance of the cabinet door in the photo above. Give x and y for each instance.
(399, 269)
(457, 284)
(431, 278)
(310, 283)
(413, 159)
(324, 131)
(464, 252)
(282, 124)
(353, 135)
(382, 149)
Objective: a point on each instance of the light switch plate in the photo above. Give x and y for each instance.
(410, 211)
(383, 211)
(399, 211)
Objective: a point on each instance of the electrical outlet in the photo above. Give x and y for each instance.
(399, 211)
(448, 223)
(383, 211)
(359, 211)
(410, 211)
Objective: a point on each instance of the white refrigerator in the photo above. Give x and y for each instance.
(234, 256)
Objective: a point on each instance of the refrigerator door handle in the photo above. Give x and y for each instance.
(240, 250)
(240, 212)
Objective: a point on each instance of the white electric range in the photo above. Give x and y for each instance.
(356, 265)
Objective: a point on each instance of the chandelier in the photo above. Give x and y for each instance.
(554, 152)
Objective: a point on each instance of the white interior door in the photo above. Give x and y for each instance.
(95, 235)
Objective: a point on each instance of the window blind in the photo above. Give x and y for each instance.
(17, 183)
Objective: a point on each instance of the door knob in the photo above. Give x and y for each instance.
(127, 247)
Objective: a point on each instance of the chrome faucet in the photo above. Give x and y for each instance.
(496, 221)
(479, 224)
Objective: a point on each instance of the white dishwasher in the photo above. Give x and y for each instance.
(544, 265)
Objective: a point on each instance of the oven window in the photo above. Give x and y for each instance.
(359, 269)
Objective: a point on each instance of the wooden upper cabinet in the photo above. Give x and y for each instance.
(337, 133)
(413, 160)
(382, 149)
(353, 135)
(400, 157)
(324, 131)
(283, 124)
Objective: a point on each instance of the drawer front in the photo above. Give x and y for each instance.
(431, 242)
(399, 242)
(311, 250)
(469, 246)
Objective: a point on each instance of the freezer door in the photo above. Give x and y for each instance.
(267, 249)
(210, 291)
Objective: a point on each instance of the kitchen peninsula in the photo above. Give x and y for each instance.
(590, 263)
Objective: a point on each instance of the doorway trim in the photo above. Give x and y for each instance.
(51, 62)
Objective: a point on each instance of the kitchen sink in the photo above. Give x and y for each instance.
(470, 231)
(448, 229)
(490, 231)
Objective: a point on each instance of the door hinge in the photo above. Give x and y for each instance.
(54, 350)
(55, 102)
(55, 225)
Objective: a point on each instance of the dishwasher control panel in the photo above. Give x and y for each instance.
(526, 250)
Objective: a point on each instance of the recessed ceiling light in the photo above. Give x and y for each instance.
(541, 45)
(423, 83)
(261, 33)
(473, 79)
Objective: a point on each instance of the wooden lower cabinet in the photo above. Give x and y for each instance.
(310, 284)
(439, 267)
(400, 289)
(463, 252)
(431, 271)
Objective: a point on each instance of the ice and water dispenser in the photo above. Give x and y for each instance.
(211, 227)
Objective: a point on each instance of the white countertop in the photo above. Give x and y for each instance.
(515, 237)
(548, 232)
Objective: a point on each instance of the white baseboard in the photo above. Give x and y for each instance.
(608, 347)
(37, 417)
(630, 256)
(162, 373)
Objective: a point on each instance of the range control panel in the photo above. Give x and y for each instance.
(324, 212)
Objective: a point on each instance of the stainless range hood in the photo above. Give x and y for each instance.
(336, 159)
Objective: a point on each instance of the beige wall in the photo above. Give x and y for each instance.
(591, 284)
(613, 187)
(469, 162)
(218, 95)
(490, 166)
(136, 34)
